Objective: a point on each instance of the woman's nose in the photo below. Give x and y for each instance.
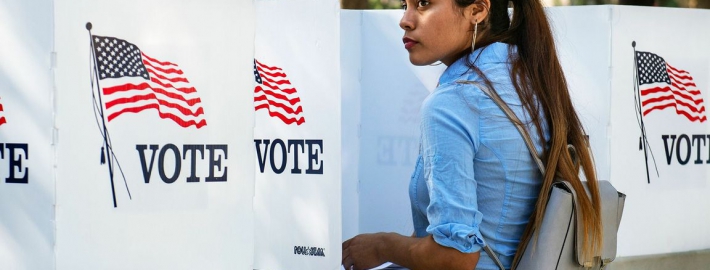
(407, 21)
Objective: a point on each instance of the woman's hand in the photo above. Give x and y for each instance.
(364, 251)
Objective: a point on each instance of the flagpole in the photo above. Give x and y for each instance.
(640, 113)
(107, 146)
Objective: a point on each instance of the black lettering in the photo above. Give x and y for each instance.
(677, 149)
(259, 156)
(665, 143)
(147, 170)
(161, 163)
(281, 169)
(708, 160)
(192, 149)
(217, 163)
(21, 148)
(697, 138)
(295, 144)
(313, 156)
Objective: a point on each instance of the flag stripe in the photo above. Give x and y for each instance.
(186, 90)
(676, 70)
(158, 62)
(146, 86)
(679, 77)
(133, 99)
(163, 70)
(275, 74)
(672, 70)
(293, 101)
(166, 66)
(267, 67)
(175, 118)
(153, 73)
(288, 109)
(289, 91)
(287, 120)
(279, 82)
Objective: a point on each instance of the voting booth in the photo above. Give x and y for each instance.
(261, 134)
(154, 128)
(297, 135)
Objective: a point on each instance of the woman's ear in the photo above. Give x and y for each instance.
(478, 11)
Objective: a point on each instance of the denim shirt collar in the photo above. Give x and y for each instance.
(494, 53)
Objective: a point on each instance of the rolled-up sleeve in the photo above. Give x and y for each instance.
(449, 144)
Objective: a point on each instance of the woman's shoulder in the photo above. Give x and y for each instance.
(452, 96)
(463, 103)
(469, 93)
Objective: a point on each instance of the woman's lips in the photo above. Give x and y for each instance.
(409, 43)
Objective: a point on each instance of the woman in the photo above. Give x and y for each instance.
(475, 183)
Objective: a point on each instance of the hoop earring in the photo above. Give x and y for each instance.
(475, 33)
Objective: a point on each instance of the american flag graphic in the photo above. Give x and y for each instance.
(133, 82)
(2, 115)
(275, 94)
(663, 86)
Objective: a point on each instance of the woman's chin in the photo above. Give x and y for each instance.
(420, 62)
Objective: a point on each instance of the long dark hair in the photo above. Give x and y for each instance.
(540, 82)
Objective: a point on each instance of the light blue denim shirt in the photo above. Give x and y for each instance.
(475, 182)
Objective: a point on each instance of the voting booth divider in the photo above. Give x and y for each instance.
(260, 134)
(297, 135)
(153, 128)
(26, 152)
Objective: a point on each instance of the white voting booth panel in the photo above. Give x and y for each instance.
(594, 46)
(390, 93)
(671, 202)
(174, 84)
(350, 54)
(26, 172)
(297, 135)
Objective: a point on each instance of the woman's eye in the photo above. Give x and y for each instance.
(423, 3)
(404, 5)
